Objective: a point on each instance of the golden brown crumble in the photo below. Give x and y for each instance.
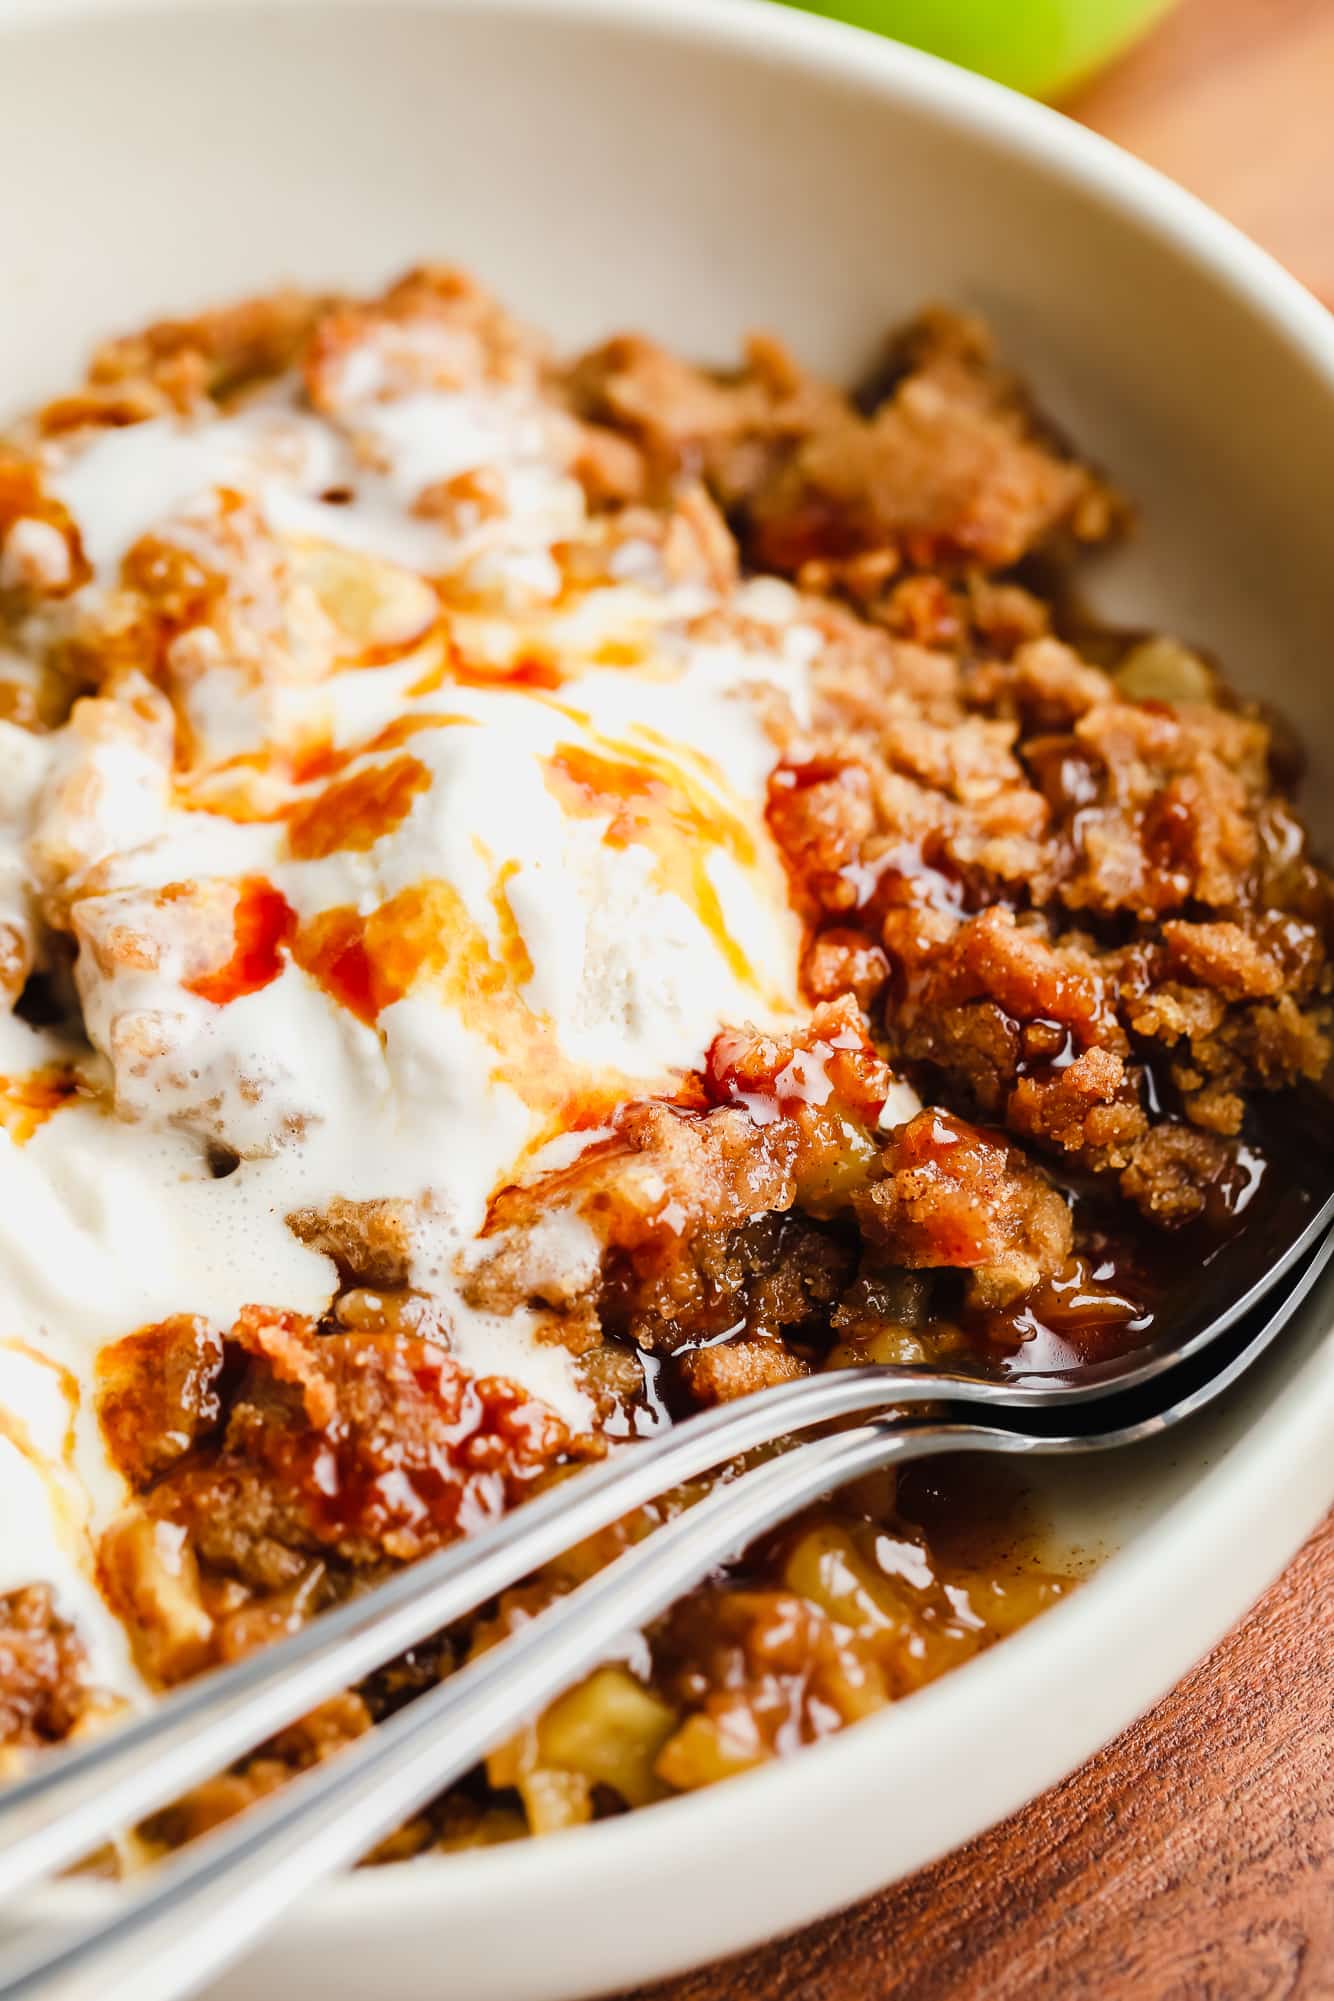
(1053, 878)
(44, 1690)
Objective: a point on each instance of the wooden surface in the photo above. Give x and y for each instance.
(1235, 99)
(1194, 1859)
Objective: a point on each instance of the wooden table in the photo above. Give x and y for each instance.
(1195, 1856)
(1235, 99)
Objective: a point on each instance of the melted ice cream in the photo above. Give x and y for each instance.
(428, 857)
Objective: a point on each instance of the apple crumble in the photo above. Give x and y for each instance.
(540, 895)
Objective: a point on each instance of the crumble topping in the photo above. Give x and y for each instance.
(537, 895)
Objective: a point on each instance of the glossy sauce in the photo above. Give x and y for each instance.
(354, 813)
(529, 672)
(263, 925)
(653, 803)
(26, 1103)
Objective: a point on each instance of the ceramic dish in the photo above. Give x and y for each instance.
(695, 169)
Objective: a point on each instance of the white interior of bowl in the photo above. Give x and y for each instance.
(694, 168)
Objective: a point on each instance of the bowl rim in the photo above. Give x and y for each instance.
(1297, 1418)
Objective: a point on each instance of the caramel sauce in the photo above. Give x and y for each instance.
(181, 590)
(263, 925)
(650, 802)
(22, 498)
(368, 961)
(1124, 1286)
(403, 728)
(1093, 1310)
(353, 813)
(619, 653)
(27, 1102)
(532, 670)
(906, 876)
(528, 671)
(14, 1429)
(426, 935)
(332, 949)
(252, 787)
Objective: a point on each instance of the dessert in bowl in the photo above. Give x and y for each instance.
(585, 886)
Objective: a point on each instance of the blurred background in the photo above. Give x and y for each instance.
(1233, 98)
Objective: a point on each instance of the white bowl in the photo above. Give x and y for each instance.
(696, 167)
